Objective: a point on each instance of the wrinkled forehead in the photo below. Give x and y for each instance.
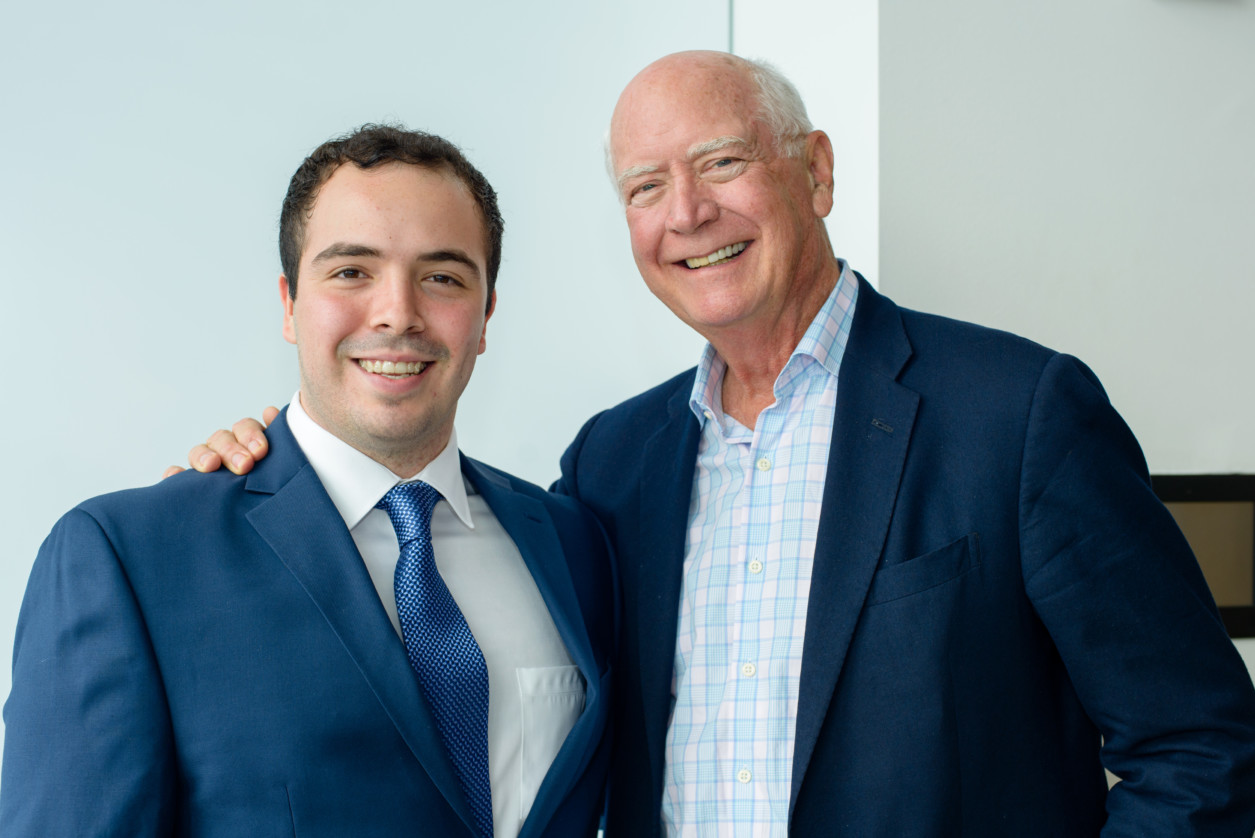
(664, 116)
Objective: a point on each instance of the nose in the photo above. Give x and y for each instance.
(396, 305)
(691, 206)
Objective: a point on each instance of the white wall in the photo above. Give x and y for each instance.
(146, 150)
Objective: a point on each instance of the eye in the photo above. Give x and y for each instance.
(444, 279)
(349, 273)
(724, 164)
(644, 193)
(642, 189)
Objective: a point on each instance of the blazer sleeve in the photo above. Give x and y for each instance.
(87, 747)
(1117, 587)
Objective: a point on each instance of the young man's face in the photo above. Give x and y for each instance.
(390, 311)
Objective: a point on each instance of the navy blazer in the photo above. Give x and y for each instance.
(996, 593)
(209, 657)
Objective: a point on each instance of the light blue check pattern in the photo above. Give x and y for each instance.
(442, 650)
(753, 517)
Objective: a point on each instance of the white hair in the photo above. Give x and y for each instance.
(780, 109)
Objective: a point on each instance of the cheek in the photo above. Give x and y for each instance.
(456, 330)
(325, 322)
(645, 234)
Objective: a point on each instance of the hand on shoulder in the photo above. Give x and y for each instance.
(238, 449)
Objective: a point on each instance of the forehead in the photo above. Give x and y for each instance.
(395, 202)
(668, 114)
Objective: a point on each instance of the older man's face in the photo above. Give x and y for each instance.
(725, 232)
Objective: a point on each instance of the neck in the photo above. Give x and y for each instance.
(755, 353)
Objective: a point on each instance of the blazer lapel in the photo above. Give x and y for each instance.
(666, 487)
(303, 528)
(529, 525)
(874, 419)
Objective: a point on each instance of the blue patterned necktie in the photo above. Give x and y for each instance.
(441, 648)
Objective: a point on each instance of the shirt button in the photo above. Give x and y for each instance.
(764, 464)
(744, 775)
(756, 566)
(708, 414)
(748, 670)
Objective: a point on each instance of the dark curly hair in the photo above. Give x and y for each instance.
(374, 145)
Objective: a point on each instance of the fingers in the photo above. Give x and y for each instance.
(238, 449)
(203, 459)
(226, 448)
(171, 471)
(249, 433)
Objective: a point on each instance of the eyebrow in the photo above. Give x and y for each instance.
(341, 250)
(451, 254)
(716, 144)
(693, 153)
(635, 171)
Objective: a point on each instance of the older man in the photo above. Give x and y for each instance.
(884, 573)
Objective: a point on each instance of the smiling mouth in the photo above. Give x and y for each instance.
(393, 369)
(720, 256)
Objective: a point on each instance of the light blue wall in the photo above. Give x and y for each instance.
(146, 150)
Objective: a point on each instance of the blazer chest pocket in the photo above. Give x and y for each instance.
(924, 572)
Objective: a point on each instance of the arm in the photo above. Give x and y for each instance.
(88, 745)
(1129, 611)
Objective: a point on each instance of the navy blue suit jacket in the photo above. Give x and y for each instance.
(209, 657)
(996, 593)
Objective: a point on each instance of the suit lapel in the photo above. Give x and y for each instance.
(301, 525)
(666, 487)
(874, 419)
(531, 528)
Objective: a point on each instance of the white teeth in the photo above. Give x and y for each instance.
(393, 368)
(721, 255)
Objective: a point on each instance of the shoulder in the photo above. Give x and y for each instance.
(500, 486)
(189, 505)
(628, 425)
(943, 357)
(938, 341)
(166, 504)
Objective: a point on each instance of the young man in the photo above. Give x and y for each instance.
(370, 634)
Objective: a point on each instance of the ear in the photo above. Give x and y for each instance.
(492, 306)
(289, 327)
(819, 165)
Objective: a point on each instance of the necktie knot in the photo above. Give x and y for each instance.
(409, 505)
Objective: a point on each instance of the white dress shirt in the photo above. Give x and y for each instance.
(536, 693)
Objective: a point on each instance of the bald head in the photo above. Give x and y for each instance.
(754, 89)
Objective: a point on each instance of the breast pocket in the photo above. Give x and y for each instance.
(552, 699)
(925, 572)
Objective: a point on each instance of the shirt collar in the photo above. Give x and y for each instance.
(824, 342)
(355, 482)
